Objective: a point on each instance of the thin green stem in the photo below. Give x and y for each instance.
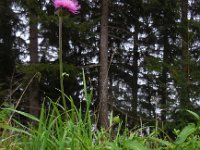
(61, 62)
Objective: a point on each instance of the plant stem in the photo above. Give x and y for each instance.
(61, 62)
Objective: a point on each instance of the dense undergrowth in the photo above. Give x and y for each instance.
(73, 131)
(58, 129)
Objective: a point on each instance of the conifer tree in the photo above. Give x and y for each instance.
(7, 57)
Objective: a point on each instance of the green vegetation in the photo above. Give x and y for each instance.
(59, 129)
(75, 131)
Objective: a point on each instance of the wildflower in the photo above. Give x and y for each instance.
(70, 5)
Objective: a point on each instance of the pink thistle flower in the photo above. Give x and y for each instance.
(70, 5)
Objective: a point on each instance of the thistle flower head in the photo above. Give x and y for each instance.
(70, 5)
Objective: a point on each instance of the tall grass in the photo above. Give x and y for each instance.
(60, 129)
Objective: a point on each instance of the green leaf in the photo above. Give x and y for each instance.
(135, 145)
(163, 142)
(194, 114)
(5, 126)
(187, 131)
(24, 114)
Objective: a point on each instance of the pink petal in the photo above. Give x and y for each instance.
(70, 5)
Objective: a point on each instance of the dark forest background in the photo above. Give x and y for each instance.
(153, 57)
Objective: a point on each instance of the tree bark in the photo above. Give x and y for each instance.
(103, 71)
(33, 46)
(184, 93)
(135, 72)
(34, 106)
(164, 78)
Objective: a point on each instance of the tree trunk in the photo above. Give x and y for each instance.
(184, 95)
(33, 46)
(103, 72)
(164, 78)
(135, 72)
(34, 106)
